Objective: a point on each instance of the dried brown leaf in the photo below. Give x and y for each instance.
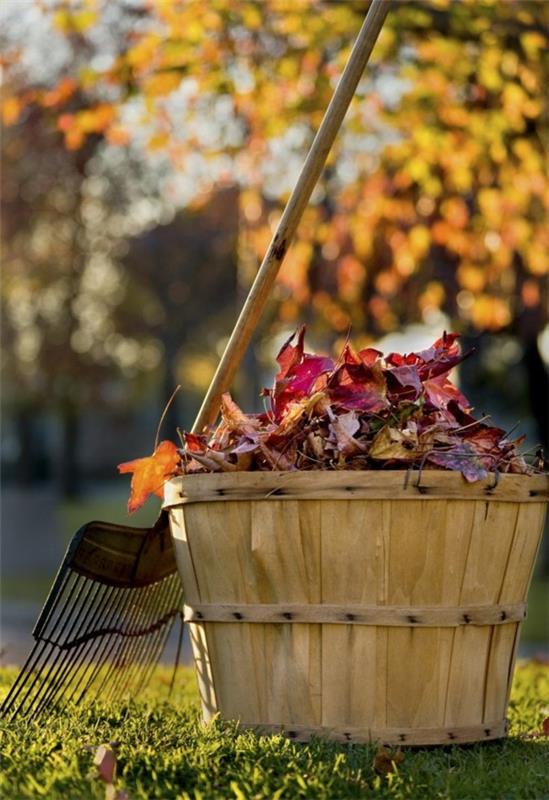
(385, 760)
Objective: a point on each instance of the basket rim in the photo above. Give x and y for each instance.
(351, 485)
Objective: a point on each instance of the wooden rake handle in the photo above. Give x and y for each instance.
(310, 172)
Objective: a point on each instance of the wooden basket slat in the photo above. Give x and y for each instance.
(515, 584)
(348, 679)
(415, 555)
(285, 561)
(217, 582)
(492, 527)
(344, 485)
(203, 654)
(455, 531)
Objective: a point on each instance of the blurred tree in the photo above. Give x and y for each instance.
(435, 196)
(71, 322)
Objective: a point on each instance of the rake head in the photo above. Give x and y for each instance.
(105, 622)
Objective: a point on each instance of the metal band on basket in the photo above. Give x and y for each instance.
(395, 616)
(387, 736)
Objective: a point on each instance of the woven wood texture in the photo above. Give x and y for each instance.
(414, 552)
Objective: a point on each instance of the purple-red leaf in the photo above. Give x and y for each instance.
(403, 383)
(461, 458)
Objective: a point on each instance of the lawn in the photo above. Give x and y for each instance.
(164, 752)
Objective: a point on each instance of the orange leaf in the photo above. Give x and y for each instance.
(11, 110)
(60, 93)
(150, 473)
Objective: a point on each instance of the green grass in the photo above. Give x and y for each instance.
(75, 513)
(164, 752)
(536, 625)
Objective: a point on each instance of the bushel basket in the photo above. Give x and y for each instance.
(361, 606)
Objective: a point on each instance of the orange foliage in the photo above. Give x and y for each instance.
(459, 183)
(150, 473)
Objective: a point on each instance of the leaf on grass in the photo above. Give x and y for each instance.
(112, 793)
(150, 473)
(386, 761)
(104, 761)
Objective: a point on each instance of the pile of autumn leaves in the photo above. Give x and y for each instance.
(363, 411)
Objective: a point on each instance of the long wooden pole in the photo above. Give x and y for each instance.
(310, 173)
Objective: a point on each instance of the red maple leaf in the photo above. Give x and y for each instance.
(403, 383)
(440, 391)
(357, 384)
(299, 371)
(150, 473)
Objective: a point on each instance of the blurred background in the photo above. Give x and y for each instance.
(148, 149)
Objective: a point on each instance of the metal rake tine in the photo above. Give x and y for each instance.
(34, 658)
(48, 614)
(175, 613)
(130, 649)
(35, 654)
(151, 662)
(154, 646)
(157, 610)
(40, 676)
(63, 650)
(123, 641)
(101, 642)
(138, 648)
(108, 641)
(115, 642)
(167, 602)
(145, 610)
(177, 616)
(77, 650)
(62, 662)
(148, 661)
(126, 644)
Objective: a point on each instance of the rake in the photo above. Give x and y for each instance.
(117, 594)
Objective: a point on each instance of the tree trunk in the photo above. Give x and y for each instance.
(68, 471)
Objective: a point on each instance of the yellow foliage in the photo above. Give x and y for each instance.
(454, 159)
(490, 313)
(471, 277)
(537, 255)
(350, 278)
(420, 240)
(11, 110)
(433, 296)
(70, 21)
(161, 83)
